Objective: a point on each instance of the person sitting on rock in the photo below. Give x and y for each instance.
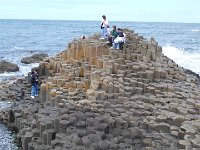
(113, 35)
(119, 40)
(34, 84)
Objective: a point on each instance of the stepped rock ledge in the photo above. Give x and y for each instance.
(94, 98)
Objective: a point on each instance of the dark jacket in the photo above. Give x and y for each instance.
(34, 78)
(114, 33)
(121, 34)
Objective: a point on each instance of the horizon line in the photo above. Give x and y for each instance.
(99, 20)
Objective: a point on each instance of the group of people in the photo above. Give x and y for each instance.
(116, 36)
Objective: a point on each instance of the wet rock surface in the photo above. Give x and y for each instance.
(35, 58)
(95, 98)
(7, 139)
(6, 136)
(192, 73)
(8, 67)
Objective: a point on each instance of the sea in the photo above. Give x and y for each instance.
(21, 38)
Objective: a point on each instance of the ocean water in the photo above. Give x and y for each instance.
(20, 38)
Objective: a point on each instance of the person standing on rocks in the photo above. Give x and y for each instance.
(34, 84)
(104, 26)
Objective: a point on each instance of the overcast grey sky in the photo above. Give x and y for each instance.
(115, 10)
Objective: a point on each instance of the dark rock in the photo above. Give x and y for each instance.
(34, 58)
(8, 67)
(192, 73)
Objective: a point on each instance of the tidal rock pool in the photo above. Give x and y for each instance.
(7, 138)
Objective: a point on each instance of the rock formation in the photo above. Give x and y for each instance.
(34, 58)
(94, 98)
(8, 67)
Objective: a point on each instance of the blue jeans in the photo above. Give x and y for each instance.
(34, 89)
(104, 32)
(116, 45)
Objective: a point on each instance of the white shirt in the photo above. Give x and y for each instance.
(105, 23)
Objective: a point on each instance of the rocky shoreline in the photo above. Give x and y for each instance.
(94, 98)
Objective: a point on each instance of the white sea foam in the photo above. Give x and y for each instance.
(189, 60)
(195, 30)
(18, 48)
(23, 71)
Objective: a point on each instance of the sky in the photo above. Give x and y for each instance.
(187, 11)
